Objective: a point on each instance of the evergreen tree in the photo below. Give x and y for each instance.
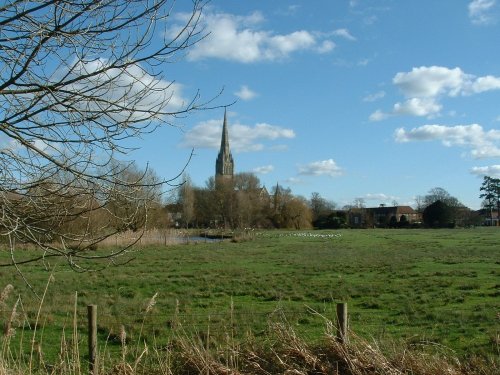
(491, 194)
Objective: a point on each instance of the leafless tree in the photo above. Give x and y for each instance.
(187, 200)
(77, 79)
(359, 203)
(320, 206)
(440, 194)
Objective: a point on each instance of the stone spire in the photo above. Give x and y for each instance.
(224, 166)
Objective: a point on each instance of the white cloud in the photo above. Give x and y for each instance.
(483, 144)
(278, 148)
(435, 81)
(417, 107)
(292, 9)
(486, 84)
(344, 33)
(363, 62)
(265, 169)
(9, 145)
(424, 86)
(242, 138)
(374, 97)
(245, 93)
(42, 145)
(128, 93)
(321, 168)
(378, 115)
(325, 46)
(283, 45)
(480, 11)
(379, 197)
(13, 146)
(429, 81)
(239, 38)
(491, 171)
(205, 134)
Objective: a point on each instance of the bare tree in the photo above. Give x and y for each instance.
(224, 202)
(77, 78)
(187, 200)
(131, 197)
(252, 201)
(320, 206)
(359, 203)
(440, 194)
(246, 181)
(420, 203)
(296, 213)
(290, 211)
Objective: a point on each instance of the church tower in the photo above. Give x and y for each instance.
(224, 166)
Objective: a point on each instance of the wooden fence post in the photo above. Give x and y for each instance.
(92, 320)
(342, 323)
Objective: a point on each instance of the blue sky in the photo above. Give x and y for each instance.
(381, 100)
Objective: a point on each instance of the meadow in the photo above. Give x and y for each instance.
(402, 286)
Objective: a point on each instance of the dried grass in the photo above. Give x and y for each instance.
(282, 351)
(150, 237)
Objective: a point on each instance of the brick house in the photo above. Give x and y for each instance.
(490, 218)
(385, 215)
(382, 216)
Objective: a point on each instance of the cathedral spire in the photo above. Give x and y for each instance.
(224, 142)
(224, 165)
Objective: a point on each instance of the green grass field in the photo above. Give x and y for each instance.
(440, 286)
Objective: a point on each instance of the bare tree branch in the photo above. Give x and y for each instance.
(77, 78)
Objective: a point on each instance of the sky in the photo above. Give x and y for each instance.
(381, 100)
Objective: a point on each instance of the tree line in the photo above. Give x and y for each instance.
(241, 202)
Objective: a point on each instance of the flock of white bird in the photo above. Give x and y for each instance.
(302, 235)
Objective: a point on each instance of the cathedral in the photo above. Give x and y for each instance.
(224, 166)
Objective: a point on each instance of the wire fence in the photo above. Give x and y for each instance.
(308, 320)
(234, 326)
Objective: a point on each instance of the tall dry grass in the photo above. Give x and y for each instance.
(150, 237)
(280, 351)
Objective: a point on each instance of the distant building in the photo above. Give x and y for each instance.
(490, 218)
(358, 218)
(224, 165)
(382, 216)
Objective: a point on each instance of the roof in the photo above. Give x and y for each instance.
(386, 210)
(405, 210)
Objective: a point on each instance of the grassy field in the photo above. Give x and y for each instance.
(415, 286)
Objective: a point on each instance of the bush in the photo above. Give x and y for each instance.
(438, 215)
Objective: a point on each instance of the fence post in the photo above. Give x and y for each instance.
(342, 323)
(92, 320)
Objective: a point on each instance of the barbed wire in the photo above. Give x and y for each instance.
(363, 320)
